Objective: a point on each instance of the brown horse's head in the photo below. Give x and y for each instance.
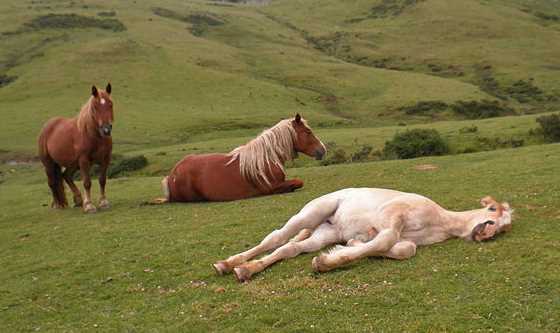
(306, 142)
(102, 107)
(497, 219)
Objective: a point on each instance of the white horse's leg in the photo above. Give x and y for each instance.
(324, 235)
(379, 245)
(401, 250)
(313, 214)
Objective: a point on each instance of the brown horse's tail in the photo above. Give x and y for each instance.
(56, 183)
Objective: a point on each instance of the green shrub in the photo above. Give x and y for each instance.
(362, 154)
(71, 21)
(468, 129)
(481, 109)
(120, 167)
(415, 143)
(425, 108)
(550, 127)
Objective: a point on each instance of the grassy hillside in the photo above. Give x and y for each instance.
(184, 68)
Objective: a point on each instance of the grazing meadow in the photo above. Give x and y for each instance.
(207, 76)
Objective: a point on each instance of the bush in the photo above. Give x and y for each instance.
(550, 127)
(415, 143)
(72, 21)
(127, 164)
(481, 109)
(468, 129)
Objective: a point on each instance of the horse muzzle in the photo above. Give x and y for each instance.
(105, 130)
(320, 153)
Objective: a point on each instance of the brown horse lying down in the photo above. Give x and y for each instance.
(256, 168)
(75, 144)
(372, 222)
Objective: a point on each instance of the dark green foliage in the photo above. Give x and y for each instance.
(73, 21)
(121, 166)
(481, 109)
(6, 79)
(362, 154)
(425, 108)
(415, 143)
(525, 91)
(332, 44)
(547, 17)
(468, 129)
(199, 21)
(389, 8)
(107, 14)
(496, 143)
(550, 127)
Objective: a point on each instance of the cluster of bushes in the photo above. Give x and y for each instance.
(71, 21)
(549, 127)
(199, 21)
(121, 166)
(467, 109)
(337, 155)
(6, 79)
(415, 143)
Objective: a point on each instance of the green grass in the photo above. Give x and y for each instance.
(206, 77)
(148, 268)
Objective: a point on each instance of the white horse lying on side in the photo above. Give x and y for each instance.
(372, 222)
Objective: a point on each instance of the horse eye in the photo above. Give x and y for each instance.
(492, 208)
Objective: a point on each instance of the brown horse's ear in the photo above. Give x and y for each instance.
(94, 91)
(298, 118)
(108, 89)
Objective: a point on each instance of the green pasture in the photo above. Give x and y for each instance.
(206, 76)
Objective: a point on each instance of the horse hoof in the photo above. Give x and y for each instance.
(78, 202)
(104, 204)
(90, 208)
(242, 274)
(318, 265)
(221, 267)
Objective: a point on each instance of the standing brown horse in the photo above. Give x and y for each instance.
(75, 144)
(256, 168)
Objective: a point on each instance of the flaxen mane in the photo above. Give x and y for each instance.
(85, 117)
(272, 147)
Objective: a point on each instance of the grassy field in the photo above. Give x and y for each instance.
(146, 268)
(199, 76)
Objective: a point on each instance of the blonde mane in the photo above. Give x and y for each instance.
(86, 115)
(272, 147)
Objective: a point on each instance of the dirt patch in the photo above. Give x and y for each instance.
(200, 22)
(425, 167)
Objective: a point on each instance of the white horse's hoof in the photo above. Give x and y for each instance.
(242, 274)
(221, 267)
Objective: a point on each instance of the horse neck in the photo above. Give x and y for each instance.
(461, 224)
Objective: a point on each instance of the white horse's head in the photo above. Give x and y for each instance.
(497, 219)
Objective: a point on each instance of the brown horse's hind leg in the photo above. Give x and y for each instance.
(68, 175)
(288, 186)
(56, 183)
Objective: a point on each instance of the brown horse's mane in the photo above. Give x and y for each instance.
(85, 117)
(272, 147)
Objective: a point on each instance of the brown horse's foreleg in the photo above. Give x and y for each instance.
(324, 235)
(288, 186)
(68, 176)
(103, 202)
(312, 215)
(84, 171)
